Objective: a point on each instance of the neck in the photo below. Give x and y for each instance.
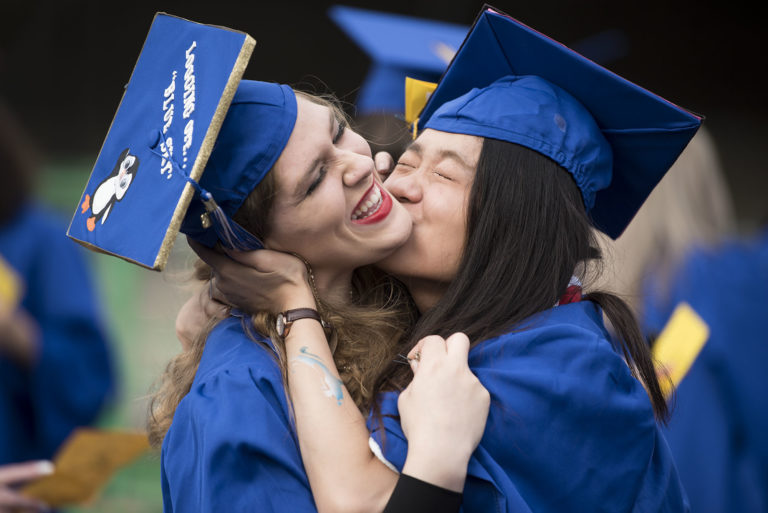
(333, 286)
(425, 293)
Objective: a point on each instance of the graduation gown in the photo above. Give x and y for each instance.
(232, 445)
(72, 377)
(720, 418)
(569, 428)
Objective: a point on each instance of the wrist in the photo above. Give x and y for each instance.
(287, 318)
(444, 468)
(299, 297)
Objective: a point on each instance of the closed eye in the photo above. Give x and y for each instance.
(315, 184)
(443, 176)
(340, 131)
(400, 163)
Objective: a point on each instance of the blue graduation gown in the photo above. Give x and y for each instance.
(569, 428)
(72, 379)
(232, 445)
(719, 428)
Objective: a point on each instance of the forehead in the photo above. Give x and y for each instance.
(434, 144)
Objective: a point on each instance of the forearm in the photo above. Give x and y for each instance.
(332, 432)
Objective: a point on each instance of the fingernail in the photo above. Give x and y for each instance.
(45, 468)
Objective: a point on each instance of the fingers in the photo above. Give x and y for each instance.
(12, 501)
(212, 301)
(431, 348)
(20, 472)
(416, 352)
(427, 349)
(457, 345)
(249, 258)
(208, 255)
(384, 163)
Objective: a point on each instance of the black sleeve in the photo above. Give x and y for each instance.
(413, 495)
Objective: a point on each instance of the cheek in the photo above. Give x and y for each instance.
(444, 232)
(445, 217)
(306, 228)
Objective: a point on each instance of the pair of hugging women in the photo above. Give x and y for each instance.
(464, 259)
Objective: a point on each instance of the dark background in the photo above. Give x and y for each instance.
(63, 65)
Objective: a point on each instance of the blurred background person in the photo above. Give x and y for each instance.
(685, 246)
(55, 365)
(397, 47)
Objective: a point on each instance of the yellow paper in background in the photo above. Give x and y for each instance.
(85, 464)
(678, 345)
(417, 92)
(10, 287)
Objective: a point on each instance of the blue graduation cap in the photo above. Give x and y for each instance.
(151, 163)
(398, 46)
(510, 82)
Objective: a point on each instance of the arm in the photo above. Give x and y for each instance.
(333, 434)
(74, 347)
(193, 315)
(413, 495)
(443, 413)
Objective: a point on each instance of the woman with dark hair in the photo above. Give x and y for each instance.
(286, 170)
(504, 185)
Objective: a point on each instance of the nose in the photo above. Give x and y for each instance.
(357, 169)
(407, 188)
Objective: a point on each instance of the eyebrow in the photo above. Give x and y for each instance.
(442, 154)
(306, 178)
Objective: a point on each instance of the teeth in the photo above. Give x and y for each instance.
(371, 205)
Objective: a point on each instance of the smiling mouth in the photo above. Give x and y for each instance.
(369, 205)
(374, 207)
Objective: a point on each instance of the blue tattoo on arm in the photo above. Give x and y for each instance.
(332, 386)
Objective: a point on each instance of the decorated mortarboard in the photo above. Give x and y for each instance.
(185, 110)
(510, 82)
(398, 46)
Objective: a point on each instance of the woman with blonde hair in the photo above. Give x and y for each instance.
(286, 170)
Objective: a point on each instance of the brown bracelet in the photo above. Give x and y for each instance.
(287, 318)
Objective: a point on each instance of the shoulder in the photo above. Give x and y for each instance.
(229, 350)
(35, 226)
(563, 330)
(232, 439)
(236, 373)
(37, 216)
(562, 357)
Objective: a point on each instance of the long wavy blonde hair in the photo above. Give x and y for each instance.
(367, 331)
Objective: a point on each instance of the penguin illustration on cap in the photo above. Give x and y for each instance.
(111, 189)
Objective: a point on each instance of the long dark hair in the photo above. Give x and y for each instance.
(527, 233)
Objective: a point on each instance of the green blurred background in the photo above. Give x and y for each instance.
(139, 308)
